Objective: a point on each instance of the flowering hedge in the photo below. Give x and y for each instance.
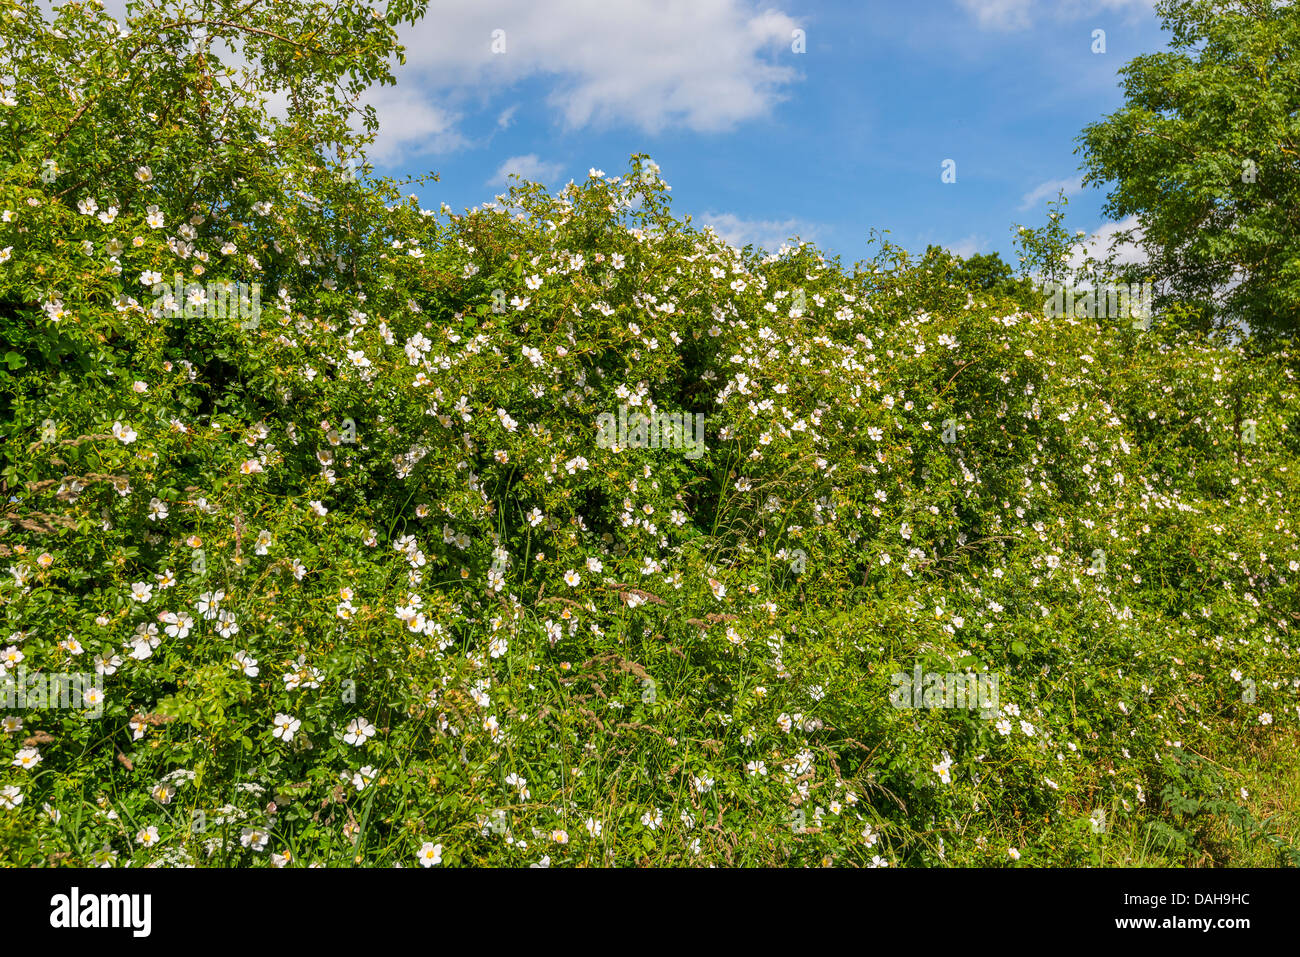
(358, 581)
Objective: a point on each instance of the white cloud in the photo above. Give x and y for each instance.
(1098, 244)
(409, 123)
(706, 66)
(770, 234)
(529, 166)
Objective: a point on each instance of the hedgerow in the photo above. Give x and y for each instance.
(362, 586)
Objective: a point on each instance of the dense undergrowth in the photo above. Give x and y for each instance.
(362, 585)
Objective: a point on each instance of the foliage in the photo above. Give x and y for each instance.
(983, 273)
(363, 586)
(1205, 153)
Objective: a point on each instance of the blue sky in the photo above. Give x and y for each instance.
(759, 140)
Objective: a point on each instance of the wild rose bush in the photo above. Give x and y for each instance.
(362, 586)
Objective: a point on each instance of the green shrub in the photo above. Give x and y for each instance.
(360, 577)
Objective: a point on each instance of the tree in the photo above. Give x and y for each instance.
(1206, 154)
(981, 273)
(153, 128)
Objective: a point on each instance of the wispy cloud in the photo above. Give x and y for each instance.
(967, 247)
(529, 167)
(1021, 14)
(999, 14)
(770, 234)
(1049, 189)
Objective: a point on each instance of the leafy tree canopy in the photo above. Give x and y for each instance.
(1205, 153)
